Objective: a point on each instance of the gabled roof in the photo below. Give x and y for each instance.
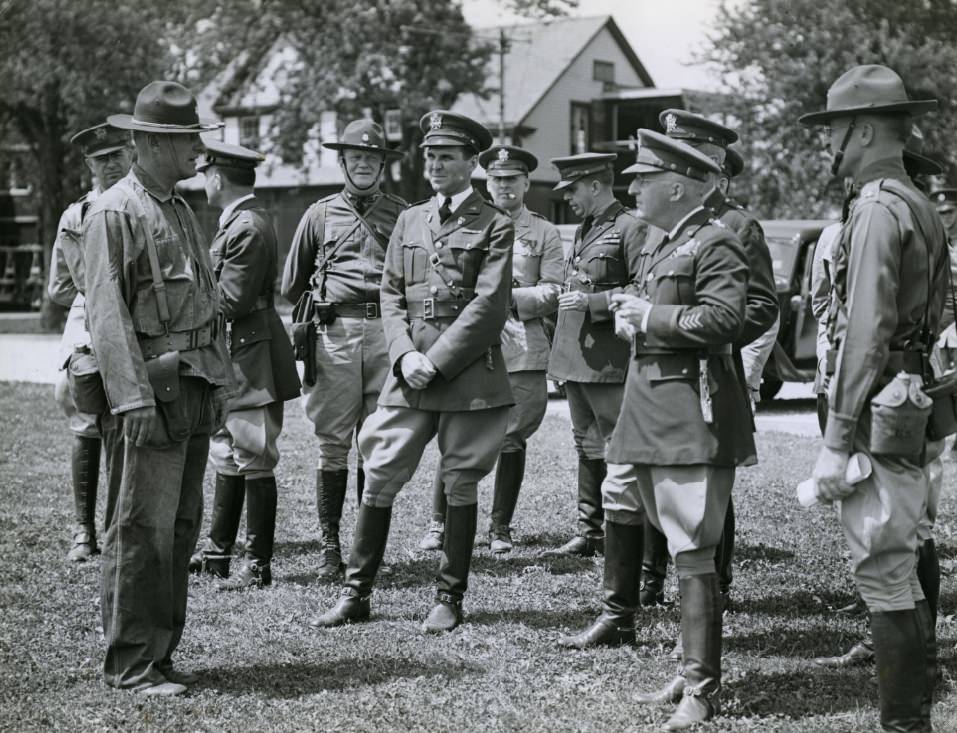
(538, 55)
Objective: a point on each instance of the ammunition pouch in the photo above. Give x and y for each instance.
(324, 312)
(86, 383)
(163, 371)
(899, 418)
(304, 347)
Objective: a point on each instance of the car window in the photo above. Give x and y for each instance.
(784, 251)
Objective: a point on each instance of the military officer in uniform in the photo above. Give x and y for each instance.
(244, 452)
(153, 307)
(536, 281)
(946, 202)
(108, 155)
(585, 353)
(336, 262)
(757, 339)
(446, 293)
(684, 426)
(890, 273)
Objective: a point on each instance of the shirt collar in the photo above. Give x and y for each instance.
(149, 183)
(684, 222)
(230, 208)
(457, 200)
(892, 167)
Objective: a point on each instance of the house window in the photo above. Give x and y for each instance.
(603, 71)
(249, 132)
(580, 127)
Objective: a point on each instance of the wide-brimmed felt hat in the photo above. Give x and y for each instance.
(101, 139)
(572, 168)
(445, 129)
(659, 153)
(507, 160)
(164, 107)
(225, 155)
(363, 134)
(869, 89)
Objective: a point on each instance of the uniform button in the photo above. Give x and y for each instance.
(578, 259)
(433, 290)
(574, 272)
(671, 272)
(685, 370)
(242, 341)
(438, 245)
(651, 276)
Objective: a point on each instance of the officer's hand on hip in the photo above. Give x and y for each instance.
(417, 370)
(624, 329)
(829, 473)
(573, 300)
(138, 424)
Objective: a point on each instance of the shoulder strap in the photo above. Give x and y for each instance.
(435, 259)
(159, 286)
(364, 222)
(326, 256)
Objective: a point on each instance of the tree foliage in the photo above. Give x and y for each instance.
(777, 59)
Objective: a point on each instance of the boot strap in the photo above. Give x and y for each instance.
(700, 691)
(443, 597)
(348, 592)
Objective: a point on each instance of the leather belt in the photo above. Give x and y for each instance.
(153, 346)
(358, 310)
(430, 308)
(720, 350)
(911, 362)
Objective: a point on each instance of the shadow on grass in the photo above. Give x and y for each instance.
(762, 552)
(799, 693)
(289, 681)
(802, 603)
(300, 547)
(818, 641)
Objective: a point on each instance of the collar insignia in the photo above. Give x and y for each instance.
(435, 121)
(671, 123)
(503, 154)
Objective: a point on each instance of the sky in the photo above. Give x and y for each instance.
(664, 33)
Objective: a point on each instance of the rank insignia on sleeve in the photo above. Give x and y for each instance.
(690, 321)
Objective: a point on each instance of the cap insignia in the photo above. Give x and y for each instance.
(100, 133)
(503, 154)
(435, 121)
(941, 197)
(671, 122)
(365, 137)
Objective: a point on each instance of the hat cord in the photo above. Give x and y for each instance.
(839, 156)
(363, 190)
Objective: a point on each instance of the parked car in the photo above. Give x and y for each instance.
(794, 358)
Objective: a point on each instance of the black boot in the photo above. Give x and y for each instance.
(434, 536)
(214, 554)
(360, 483)
(256, 570)
(508, 482)
(928, 573)
(368, 548)
(701, 635)
(724, 555)
(616, 624)
(330, 496)
(861, 653)
(453, 578)
(901, 669)
(927, 623)
(590, 539)
(654, 567)
(86, 473)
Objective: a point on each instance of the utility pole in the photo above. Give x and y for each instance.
(502, 48)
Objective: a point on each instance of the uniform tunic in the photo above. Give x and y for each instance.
(339, 257)
(244, 256)
(462, 270)
(890, 274)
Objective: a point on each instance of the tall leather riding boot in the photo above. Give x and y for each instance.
(434, 536)
(928, 573)
(453, 578)
(616, 624)
(724, 552)
(591, 516)
(214, 554)
(508, 482)
(85, 463)
(654, 567)
(701, 633)
(256, 570)
(360, 483)
(330, 496)
(368, 549)
(928, 631)
(901, 669)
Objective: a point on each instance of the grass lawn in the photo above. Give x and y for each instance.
(264, 669)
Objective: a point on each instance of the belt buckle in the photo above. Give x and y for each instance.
(428, 308)
(192, 339)
(372, 310)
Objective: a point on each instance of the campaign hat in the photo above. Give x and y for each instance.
(572, 168)
(444, 129)
(164, 107)
(366, 135)
(225, 155)
(101, 139)
(659, 153)
(868, 89)
(507, 160)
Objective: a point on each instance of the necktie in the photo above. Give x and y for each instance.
(445, 210)
(361, 203)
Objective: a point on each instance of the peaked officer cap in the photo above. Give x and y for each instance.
(659, 153)
(945, 198)
(507, 160)
(572, 168)
(363, 134)
(870, 89)
(101, 139)
(915, 163)
(225, 155)
(445, 129)
(684, 125)
(166, 107)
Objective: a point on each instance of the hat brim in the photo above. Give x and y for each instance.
(636, 168)
(922, 165)
(913, 108)
(366, 148)
(126, 122)
(564, 184)
(107, 151)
